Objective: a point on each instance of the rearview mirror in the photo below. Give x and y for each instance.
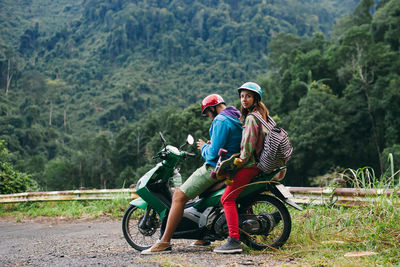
(190, 139)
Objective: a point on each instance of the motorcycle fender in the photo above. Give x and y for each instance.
(140, 203)
(283, 194)
(292, 204)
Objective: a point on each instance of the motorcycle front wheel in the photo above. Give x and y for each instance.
(138, 233)
(275, 221)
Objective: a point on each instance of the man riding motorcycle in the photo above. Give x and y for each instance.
(225, 132)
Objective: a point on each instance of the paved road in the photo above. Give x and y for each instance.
(100, 242)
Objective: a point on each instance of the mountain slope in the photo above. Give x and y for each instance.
(118, 58)
(82, 71)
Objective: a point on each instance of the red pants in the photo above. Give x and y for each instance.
(228, 199)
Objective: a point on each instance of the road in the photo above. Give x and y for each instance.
(100, 242)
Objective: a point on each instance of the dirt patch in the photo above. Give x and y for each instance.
(81, 242)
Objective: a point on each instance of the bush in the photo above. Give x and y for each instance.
(11, 180)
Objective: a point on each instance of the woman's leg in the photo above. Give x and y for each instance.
(228, 199)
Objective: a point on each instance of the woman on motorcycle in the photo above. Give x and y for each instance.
(250, 148)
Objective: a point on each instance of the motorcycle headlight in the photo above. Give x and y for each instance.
(173, 150)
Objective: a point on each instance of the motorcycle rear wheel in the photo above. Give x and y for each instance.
(268, 207)
(140, 238)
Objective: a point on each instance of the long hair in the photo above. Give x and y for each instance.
(258, 106)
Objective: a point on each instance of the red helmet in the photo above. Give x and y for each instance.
(210, 101)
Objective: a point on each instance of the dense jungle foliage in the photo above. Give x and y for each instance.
(87, 84)
(12, 180)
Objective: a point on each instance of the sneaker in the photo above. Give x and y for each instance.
(158, 248)
(231, 246)
(200, 243)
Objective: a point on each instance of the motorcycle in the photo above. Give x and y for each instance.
(264, 220)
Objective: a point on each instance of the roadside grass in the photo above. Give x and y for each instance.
(338, 235)
(67, 209)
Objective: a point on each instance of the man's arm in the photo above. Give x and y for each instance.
(219, 133)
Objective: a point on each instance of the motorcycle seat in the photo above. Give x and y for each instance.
(215, 187)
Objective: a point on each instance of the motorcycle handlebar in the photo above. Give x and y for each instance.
(187, 154)
(163, 155)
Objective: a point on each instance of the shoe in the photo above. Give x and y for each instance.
(158, 248)
(231, 246)
(200, 243)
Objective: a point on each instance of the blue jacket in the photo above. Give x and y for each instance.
(225, 132)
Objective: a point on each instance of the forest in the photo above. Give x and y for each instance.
(86, 85)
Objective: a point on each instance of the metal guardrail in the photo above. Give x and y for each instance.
(69, 195)
(302, 195)
(343, 196)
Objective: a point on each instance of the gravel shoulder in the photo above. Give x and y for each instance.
(87, 242)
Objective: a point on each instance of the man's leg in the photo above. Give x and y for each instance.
(196, 184)
(179, 200)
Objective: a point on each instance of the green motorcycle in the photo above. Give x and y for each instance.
(264, 220)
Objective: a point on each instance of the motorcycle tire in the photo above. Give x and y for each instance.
(140, 238)
(270, 208)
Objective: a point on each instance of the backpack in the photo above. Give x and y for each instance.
(277, 148)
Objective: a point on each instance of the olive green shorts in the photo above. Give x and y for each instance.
(198, 182)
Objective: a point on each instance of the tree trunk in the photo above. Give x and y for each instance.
(9, 76)
(366, 81)
(65, 118)
(373, 126)
(101, 179)
(80, 174)
(138, 143)
(51, 112)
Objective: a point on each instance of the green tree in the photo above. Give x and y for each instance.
(100, 161)
(316, 131)
(385, 26)
(33, 83)
(12, 180)
(54, 89)
(59, 174)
